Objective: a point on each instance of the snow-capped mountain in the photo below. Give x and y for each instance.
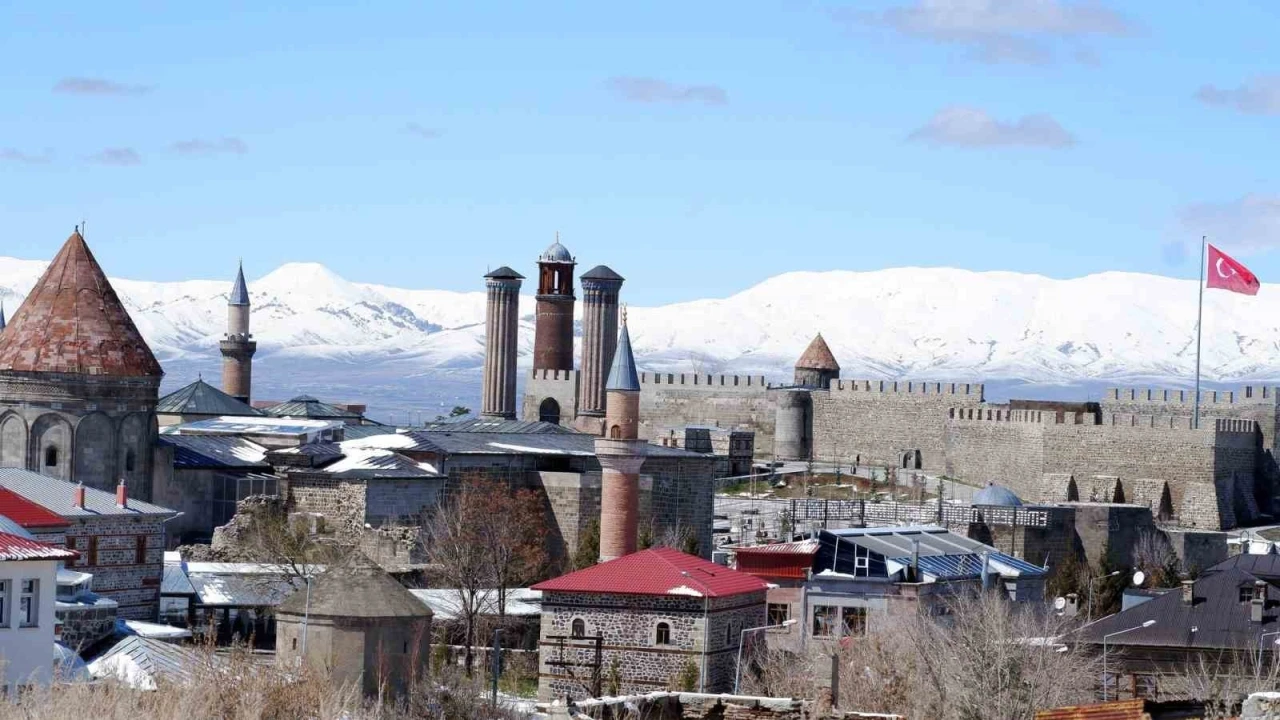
(410, 349)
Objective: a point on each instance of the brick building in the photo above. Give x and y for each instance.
(660, 617)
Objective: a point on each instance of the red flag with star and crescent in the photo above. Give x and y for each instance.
(1227, 274)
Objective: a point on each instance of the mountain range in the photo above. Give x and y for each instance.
(416, 353)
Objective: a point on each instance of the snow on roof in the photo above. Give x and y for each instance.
(232, 425)
(445, 603)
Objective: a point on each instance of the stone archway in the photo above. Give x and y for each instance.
(549, 411)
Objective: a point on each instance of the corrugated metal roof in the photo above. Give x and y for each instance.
(657, 571)
(175, 581)
(305, 406)
(201, 398)
(142, 662)
(1123, 710)
(18, 548)
(799, 547)
(265, 425)
(239, 589)
(215, 451)
(486, 425)
(445, 603)
(942, 553)
(479, 443)
(355, 432)
(59, 496)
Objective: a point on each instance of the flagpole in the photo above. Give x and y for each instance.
(1195, 415)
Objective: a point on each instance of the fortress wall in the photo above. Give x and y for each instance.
(1006, 452)
(559, 384)
(1251, 402)
(874, 421)
(669, 401)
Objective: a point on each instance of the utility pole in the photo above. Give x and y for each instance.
(496, 663)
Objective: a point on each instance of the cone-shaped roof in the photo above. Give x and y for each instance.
(72, 321)
(818, 356)
(239, 291)
(623, 376)
(357, 588)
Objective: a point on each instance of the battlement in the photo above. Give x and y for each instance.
(1249, 394)
(561, 375)
(907, 387)
(704, 380)
(1002, 413)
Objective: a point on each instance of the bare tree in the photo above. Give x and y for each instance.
(517, 545)
(455, 545)
(1154, 555)
(1222, 679)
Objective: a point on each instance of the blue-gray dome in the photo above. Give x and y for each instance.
(557, 253)
(999, 495)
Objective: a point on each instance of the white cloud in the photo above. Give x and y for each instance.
(117, 156)
(1249, 224)
(97, 86)
(651, 90)
(963, 126)
(1259, 96)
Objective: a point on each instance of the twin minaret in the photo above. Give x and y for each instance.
(238, 346)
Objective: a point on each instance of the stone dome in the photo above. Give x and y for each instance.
(998, 495)
(557, 253)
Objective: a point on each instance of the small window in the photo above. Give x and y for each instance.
(406, 647)
(1246, 594)
(728, 634)
(29, 604)
(824, 620)
(5, 603)
(578, 628)
(128, 461)
(615, 433)
(779, 613)
(140, 549)
(295, 643)
(664, 634)
(855, 621)
(51, 456)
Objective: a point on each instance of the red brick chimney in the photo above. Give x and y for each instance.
(122, 495)
(78, 498)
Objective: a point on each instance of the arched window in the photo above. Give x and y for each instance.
(615, 433)
(549, 411)
(578, 628)
(663, 634)
(51, 456)
(128, 461)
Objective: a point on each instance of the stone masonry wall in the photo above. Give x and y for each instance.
(400, 499)
(675, 400)
(559, 384)
(125, 556)
(342, 502)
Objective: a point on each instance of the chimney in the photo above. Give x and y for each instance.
(915, 561)
(1188, 591)
(1259, 602)
(78, 498)
(122, 495)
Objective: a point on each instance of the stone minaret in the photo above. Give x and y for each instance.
(553, 332)
(238, 346)
(502, 321)
(600, 287)
(621, 454)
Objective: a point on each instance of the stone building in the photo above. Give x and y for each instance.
(238, 347)
(78, 384)
(200, 401)
(659, 618)
(360, 625)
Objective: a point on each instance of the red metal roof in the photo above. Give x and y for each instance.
(26, 513)
(799, 547)
(657, 571)
(72, 321)
(13, 547)
(1123, 710)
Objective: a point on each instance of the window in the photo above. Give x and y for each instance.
(93, 549)
(29, 604)
(578, 629)
(5, 603)
(779, 613)
(1145, 686)
(140, 549)
(855, 621)
(615, 432)
(295, 643)
(128, 461)
(663, 634)
(1246, 594)
(51, 456)
(824, 620)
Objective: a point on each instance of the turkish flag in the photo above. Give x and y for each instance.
(1227, 274)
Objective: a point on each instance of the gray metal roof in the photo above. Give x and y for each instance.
(305, 406)
(1220, 619)
(355, 461)
(355, 432)
(556, 253)
(239, 291)
(175, 580)
(998, 495)
(143, 661)
(215, 451)
(201, 398)
(480, 443)
(504, 273)
(602, 272)
(941, 553)
(487, 425)
(623, 375)
(59, 496)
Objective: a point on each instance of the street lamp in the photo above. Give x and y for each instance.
(1089, 617)
(742, 639)
(1146, 624)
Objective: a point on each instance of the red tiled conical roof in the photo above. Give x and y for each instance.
(818, 356)
(73, 322)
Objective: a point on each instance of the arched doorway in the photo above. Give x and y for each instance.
(549, 411)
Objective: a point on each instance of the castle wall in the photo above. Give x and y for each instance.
(671, 401)
(560, 385)
(874, 422)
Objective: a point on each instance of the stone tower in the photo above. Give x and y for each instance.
(621, 454)
(817, 367)
(553, 332)
(78, 384)
(501, 343)
(600, 286)
(793, 422)
(238, 346)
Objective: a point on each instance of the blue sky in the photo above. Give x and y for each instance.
(697, 148)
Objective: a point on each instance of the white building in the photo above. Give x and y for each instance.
(28, 583)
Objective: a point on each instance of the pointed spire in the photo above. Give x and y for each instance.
(239, 291)
(818, 356)
(623, 375)
(1, 315)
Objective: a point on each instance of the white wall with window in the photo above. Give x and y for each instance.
(27, 599)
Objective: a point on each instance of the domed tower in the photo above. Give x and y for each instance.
(817, 367)
(621, 454)
(501, 343)
(238, 346)
(600, 287)
(553, 330)
(78, 384)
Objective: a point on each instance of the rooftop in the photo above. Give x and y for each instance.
(27, 514)
(15, 548)
(215, 451)
(504, 273)
(201, 398)
(239, 290)
(602, 272)
(72, 321)
(657, 571)
(941, 554)
(623, 375)
(445, 602)
(535, 443)
(231, 425)
(556, 253)
(58, 496)
(491, 425)
(355, 589)
(996, 495)
(305, 406)
(142, 662)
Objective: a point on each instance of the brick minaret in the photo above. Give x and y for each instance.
(502, 320)
(600, 286)
(621, 454)
(238, 346)
(553, 333)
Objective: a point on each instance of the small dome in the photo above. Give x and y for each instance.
(999, 495)
(557, 253)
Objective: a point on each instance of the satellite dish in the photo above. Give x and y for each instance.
(1139, 578)
(1060, 604)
